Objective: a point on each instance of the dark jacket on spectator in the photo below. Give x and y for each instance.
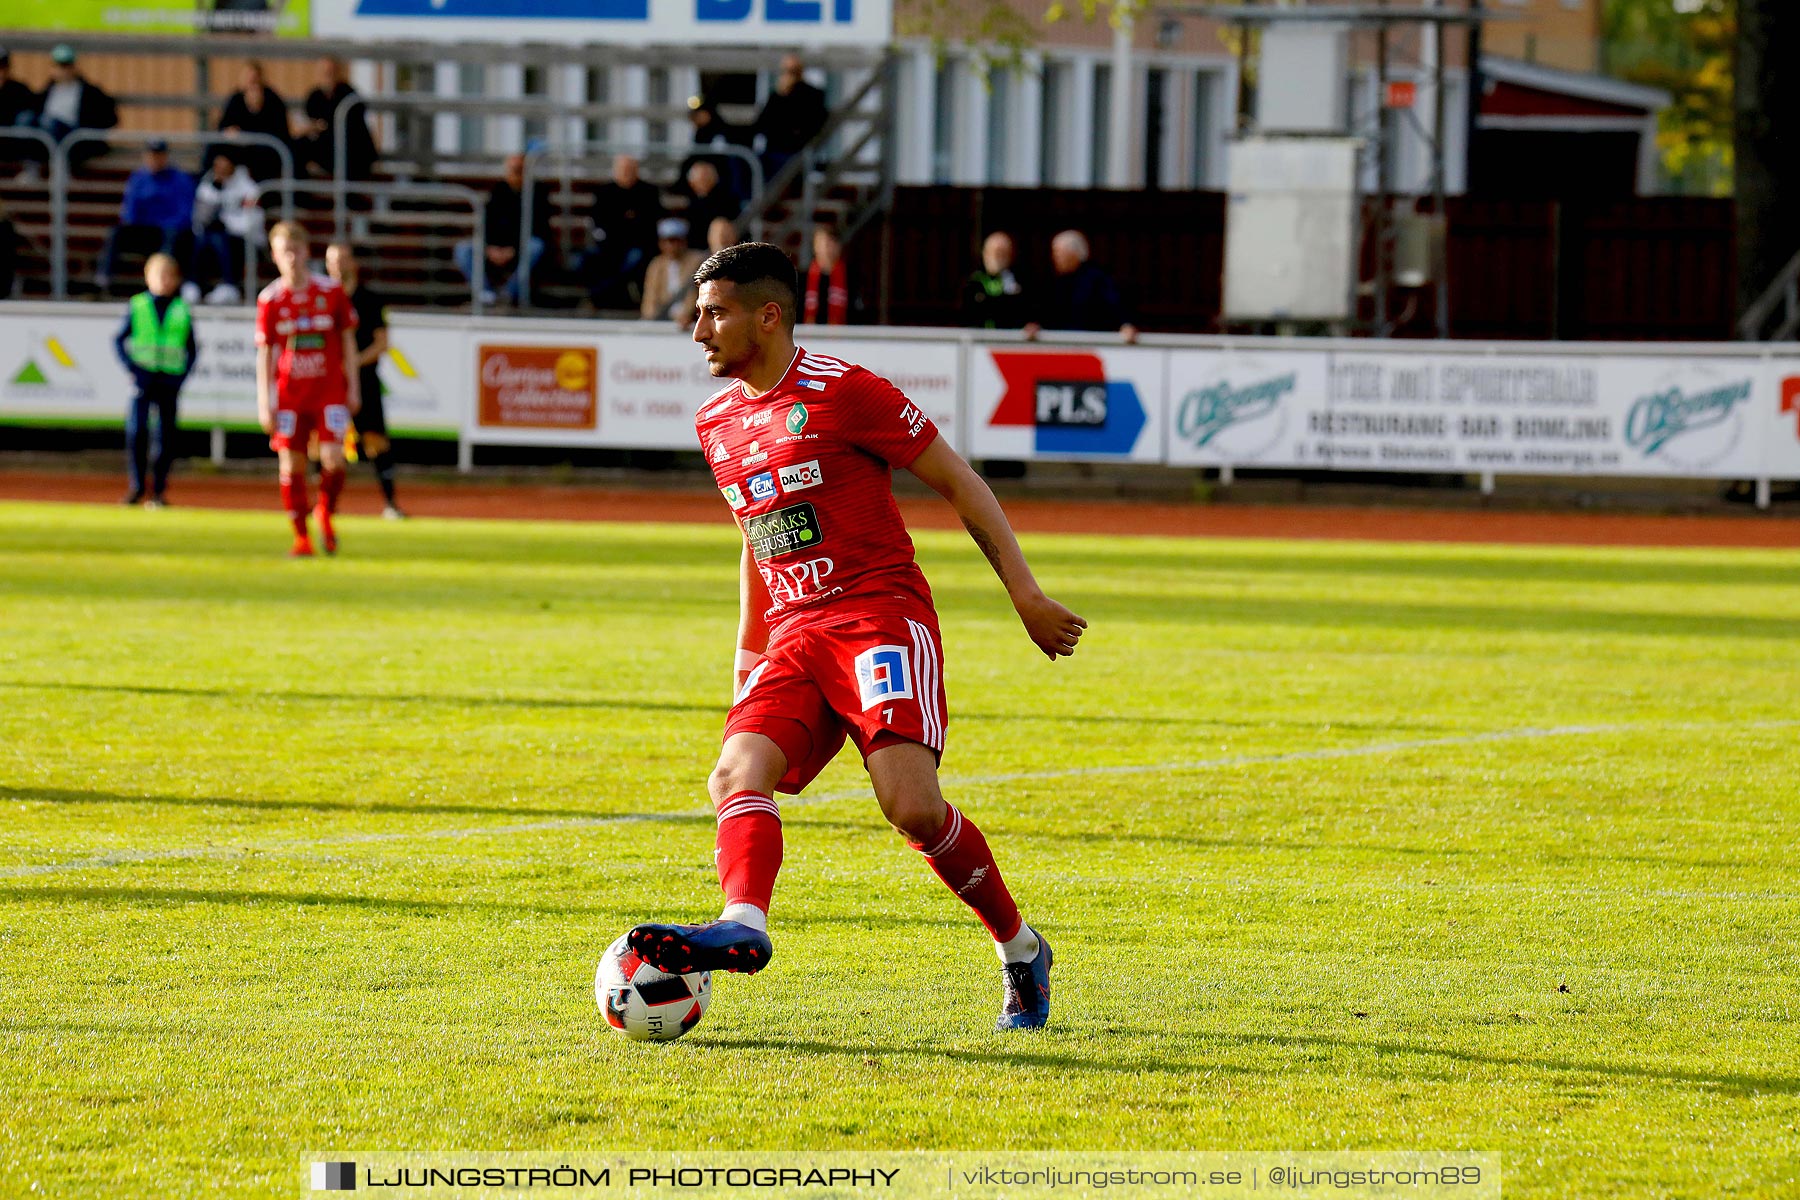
(701, 211)
(709, 147)
(504, 205)
(626, 217)
(359, 143)
(788, 122)
(16, 101)
(993, 301)
(1085, 299)
(271, 120)
(95, 109)
(164, 199)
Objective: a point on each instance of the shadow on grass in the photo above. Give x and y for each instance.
(81, 796)
(233, 897)
(451, 699)
(1016, 1050)
(1736, 1082)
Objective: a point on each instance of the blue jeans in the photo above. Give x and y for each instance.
(151, 239)
(464, 255)
(219, 256)
(161, 396)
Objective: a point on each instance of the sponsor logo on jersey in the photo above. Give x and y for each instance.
(881, 673)
(757, 454)
(797, 580)
(796, 418)
(817, 385)
(720, 453)
(783, 531)
(801, 476)
(762, 487)
(734, 496)
(756, 419)
(914, 416)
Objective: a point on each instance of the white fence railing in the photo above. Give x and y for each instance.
(1708, 411)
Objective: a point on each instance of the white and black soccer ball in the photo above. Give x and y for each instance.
(645, 1004)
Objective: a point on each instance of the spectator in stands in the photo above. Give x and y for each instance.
(1081, 296)
(669, 288)
(9, 252)
(158, 212)
(501, 229)
(791, 117)
(18, 107)
(70, 102)
(707, 201)
(225, 216)
(315, 145)
(720, 234)
(624, 215)
(156, 344)
(829, 299)
(256, 108)
(992, 297)
(713, 138)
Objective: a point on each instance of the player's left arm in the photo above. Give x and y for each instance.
(1052, 627)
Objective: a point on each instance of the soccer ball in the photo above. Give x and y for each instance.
(645, 1004)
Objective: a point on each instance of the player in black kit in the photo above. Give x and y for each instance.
(371, 344)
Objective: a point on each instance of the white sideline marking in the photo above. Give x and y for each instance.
(123, 857)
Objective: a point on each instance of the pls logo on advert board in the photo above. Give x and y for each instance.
(1069, 402)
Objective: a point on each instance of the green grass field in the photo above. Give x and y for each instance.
(1340, 846)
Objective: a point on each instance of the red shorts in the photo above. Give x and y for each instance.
(295, 427)
(878, 679)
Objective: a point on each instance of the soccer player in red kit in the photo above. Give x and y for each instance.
(305, 387)
(837, 634)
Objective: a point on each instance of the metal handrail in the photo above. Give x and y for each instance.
(59, 207)
(402, 191)
(1783, 292)
(59, 180)
(807, 160)
(566, 154)
(546, 109)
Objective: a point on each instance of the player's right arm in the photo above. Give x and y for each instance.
(265, 387)
(753, 625)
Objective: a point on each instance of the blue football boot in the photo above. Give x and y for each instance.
(714, 946)
(1026, 1003)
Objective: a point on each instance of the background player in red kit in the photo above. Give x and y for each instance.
(305, 345)
(837, 634)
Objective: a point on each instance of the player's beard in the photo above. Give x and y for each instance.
(726, 362)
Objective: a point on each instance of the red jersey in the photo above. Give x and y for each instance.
(306, 326)
(807, 468)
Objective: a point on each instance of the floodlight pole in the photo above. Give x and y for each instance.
(1118, 137)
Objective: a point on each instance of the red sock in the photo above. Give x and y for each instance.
(331, 484)
(961, 858)
(748, 852)
(293, 499)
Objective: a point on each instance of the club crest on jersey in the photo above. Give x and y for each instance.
(801, 476)
(762, 487)
(881, 673)
(734, 496)
(796, 418)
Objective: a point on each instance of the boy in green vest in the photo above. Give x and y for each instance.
(156, 344)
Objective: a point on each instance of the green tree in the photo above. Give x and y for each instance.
(1686, 48)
